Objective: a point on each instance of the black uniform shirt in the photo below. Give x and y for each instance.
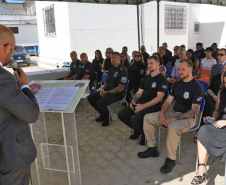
(200, 54)
(107, 64)
(152, 85)
(168, 52)
(145, 56)
(136, 72)
(97, 65)
(186, 94)
(166, 58)
(126, 64)
(215, 84)
(74, 67)
(117, 75)
(86, 69)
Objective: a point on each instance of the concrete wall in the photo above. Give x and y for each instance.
(212, 25)
(94, 26)
(54, 49)
(150, 26)
(87, 27)
(12, 9)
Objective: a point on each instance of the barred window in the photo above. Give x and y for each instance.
(31, 10)
(49, 21)
(15, 30)
(196, 27)
(175, 17)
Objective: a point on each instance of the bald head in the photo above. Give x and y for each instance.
(6, 35)
(7, 44)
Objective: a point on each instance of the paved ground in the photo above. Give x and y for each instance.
(108, 157)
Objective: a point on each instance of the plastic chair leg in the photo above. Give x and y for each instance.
(159, 140)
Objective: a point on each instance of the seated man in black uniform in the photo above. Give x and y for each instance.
(146, 100)
(113, 90)
(73, 67)
(85, 70)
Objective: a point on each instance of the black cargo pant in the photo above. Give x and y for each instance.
(101, 103)
(17, 177)
(135, 121)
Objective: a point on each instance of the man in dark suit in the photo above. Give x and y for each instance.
(217, 68)
(18, 108)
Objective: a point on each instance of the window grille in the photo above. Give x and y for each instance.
(196, 27)
(31, 10)
(49, 21)
(15, 30)
(175, 17)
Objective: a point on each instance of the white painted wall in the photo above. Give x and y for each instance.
(54, 49)
(12, 9)
(94, 26)
(28, 35)
(212, 25)
(150, 25)
(86, 27)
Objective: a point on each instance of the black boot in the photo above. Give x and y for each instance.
(105, 122)
(135, 135)
(100, 118)
(150, 152)
(168, 166)
(142, 141)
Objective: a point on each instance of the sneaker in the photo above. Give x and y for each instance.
(100, 119)
(105, 122)
(150, 152)
(135, 135)
(168, 166)
(142, 141)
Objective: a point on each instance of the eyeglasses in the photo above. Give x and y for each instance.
(123, 56)
(137, 55)
(108, 52)
(220, 54)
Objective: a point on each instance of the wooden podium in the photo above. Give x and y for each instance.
(55, 138)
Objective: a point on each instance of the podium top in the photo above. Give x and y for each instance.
(70, 83)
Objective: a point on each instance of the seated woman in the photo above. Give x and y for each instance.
(162, 68)
(107, 62)
(206, 66)
(136, 73)
(97, 63)
(211, 138)
(191, 56)
(211, 96)
(124, 60)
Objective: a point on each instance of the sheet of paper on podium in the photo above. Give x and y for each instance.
(55, 98)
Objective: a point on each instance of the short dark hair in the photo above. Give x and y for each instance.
(222, 84)
(125, 47)
(176, 47)
(223, 50)
(155, 58)
(209, 49)
(162, 47)
(188, 61)
(199, 44)
(182, 46)
(116, 53)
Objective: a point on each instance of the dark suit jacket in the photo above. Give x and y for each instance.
(216, 69)
(17, 109)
